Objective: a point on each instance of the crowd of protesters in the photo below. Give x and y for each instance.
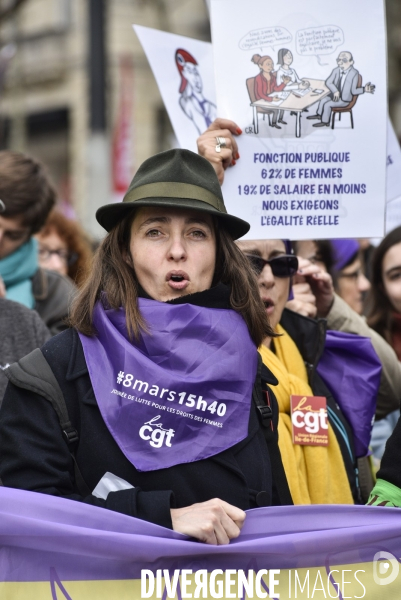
(174, 290)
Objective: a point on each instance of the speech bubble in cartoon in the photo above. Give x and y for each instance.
(315, 41)
(266, 36)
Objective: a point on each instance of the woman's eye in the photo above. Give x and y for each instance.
(153, 233)
(198, 234)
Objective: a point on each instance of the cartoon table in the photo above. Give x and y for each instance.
(294, 103)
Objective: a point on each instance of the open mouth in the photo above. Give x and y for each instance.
(269, 306)
(177, 280)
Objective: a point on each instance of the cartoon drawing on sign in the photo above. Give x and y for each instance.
(264, 86)
(284, 61)
(345, 85)
(192, 101)
(275, 93)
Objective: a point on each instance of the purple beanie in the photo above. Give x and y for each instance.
(344, 251)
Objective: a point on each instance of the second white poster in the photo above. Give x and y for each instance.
(307, 85)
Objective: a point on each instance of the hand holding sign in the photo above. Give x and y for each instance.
(207, 145)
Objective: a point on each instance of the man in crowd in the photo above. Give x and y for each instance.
(27, 196)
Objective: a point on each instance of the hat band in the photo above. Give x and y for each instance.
(171, 189)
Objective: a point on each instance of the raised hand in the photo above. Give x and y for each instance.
(227, 155)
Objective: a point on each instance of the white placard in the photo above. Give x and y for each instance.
(183, 69)
(301, 181)
(393, 165)
(393, 214)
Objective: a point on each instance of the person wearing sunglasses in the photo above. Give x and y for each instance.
(315, 474)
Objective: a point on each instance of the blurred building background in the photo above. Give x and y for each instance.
(76, 90)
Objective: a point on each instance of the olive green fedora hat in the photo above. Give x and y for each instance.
(179, 179)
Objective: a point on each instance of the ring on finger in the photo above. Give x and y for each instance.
(221, 142)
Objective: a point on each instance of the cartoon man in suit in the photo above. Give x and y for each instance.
(343, 84)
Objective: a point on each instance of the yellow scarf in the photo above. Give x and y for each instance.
(316, 474)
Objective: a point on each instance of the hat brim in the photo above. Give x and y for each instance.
(110, 215)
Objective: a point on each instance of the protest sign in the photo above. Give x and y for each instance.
(183, 69)
(309, 92)
(65, 550)
(393, 165)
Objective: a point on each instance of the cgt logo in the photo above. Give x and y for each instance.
(382, 561)
(155, 433)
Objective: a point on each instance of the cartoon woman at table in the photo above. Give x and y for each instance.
(266, 83)
(201, 111)
(284, 62)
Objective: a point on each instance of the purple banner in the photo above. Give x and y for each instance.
(81, 542)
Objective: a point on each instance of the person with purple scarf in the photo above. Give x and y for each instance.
(170, 415)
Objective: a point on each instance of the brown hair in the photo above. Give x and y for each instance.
(380, 309)
(259, 60)
(76, 241)
(112, 275)
(25, 189)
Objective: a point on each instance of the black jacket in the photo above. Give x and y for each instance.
(309, 336)
(53, 294)
(35, 456)
(21, 331)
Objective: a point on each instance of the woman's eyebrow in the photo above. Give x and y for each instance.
(197, 220)
(153, 220)
(396, 268)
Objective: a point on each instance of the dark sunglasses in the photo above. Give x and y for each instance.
(285, 265)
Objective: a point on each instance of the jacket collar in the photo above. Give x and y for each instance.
(308, 334)
(77, 364)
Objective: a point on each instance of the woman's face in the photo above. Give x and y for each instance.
(53, 253)
(173, 251)
(267, 65)
(352, 284)
(391, 276)
(273, 290)
(287, 58)
(191, 74)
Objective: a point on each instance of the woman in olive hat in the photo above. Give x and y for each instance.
(163, 403)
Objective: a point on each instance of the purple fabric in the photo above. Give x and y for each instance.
(344, 250)
(182, 393)
(81, 542)
(351, 370)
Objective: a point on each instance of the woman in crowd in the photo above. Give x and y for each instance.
(384, 316)
(160, 373)
(384, 301)
(342, 259)
(266, 84)
(64, 248)
(344, 314)
(315, 474)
